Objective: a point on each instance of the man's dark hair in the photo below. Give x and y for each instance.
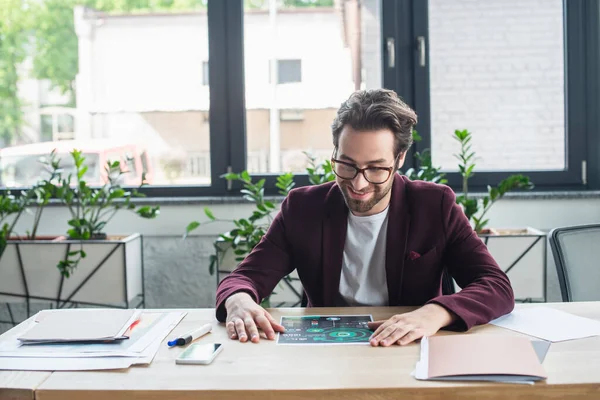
(376, 109)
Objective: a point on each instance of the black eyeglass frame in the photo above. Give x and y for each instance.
(362, 170)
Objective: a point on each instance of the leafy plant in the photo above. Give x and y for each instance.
(425, 171)
(9, 206)
(248, 232)
(476, 208)
(319, 173)
(92, 208)
(12, 206)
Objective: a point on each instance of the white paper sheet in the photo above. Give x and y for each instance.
(153, 338)
(549, 324)
(153, 326)
(78, 325)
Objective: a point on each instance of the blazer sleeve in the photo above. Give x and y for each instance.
(486, 290)
(263, 268)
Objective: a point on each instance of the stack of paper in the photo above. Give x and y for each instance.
(549, 324)
(144, 339)
(479, 358)
(79, 325)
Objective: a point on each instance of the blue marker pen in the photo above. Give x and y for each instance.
(185, 339)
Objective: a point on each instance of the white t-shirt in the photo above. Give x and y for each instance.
(363, 279)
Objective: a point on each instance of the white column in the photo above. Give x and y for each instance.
(84, 28)
(274, 142)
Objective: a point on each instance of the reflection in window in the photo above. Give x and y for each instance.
(27, 169)
(289, 71)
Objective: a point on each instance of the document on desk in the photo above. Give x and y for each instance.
(549, 324)
(319, 330)
(140, 348)
(79, 325)
(508, 359)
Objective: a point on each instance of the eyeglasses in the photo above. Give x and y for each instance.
(374, 175)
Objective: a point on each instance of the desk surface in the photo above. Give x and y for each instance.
(20, 384)
(266, 370)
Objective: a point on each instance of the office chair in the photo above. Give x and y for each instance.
(576, 252)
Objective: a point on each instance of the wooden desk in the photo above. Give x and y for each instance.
(20, 384)
(265, 370)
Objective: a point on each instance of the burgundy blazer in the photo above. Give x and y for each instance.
(427, 231)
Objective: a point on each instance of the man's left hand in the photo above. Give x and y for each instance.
(406, 328)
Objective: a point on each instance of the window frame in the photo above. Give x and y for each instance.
(402, 21)
(578, 120)
(223, 49)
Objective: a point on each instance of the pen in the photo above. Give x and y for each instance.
(193, 335)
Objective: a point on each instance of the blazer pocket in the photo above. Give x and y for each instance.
(429, 257)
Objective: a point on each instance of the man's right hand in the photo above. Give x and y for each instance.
(243, 317)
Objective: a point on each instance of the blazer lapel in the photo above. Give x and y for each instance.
(334, 238)
(397, 236)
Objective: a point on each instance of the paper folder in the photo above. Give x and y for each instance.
(479, 358)
(79, 325)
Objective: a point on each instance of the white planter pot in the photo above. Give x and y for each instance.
(521, 253)
(110, 275)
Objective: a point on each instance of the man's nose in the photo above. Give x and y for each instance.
(359, 182)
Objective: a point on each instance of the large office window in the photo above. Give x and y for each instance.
(497, 69)
(318, 53)
(130, 77)
(206, 87)
(512, 73)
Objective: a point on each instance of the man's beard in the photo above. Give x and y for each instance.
(363, 206)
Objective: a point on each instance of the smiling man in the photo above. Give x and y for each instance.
(371, 238)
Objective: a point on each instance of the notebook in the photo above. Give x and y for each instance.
(79, 325)
(480, 358)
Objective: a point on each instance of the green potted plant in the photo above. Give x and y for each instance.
(233, 246)
(425, 171)
(520, 251)
(476, 208)
(85, 266)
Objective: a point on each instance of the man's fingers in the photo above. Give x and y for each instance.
(398, 334)
(231, 330)
(264, 323)
(240, 330)
(276, 326)
(411, 337)
(375, 324)
(384, 334)
(252, 329)
(383, 325)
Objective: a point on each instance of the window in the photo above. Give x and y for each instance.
(56, 123)
(510, 72)
(288, 71)
(132, 74)
(322, 54)
(46, 128)
(497, 69)
(519, 74)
